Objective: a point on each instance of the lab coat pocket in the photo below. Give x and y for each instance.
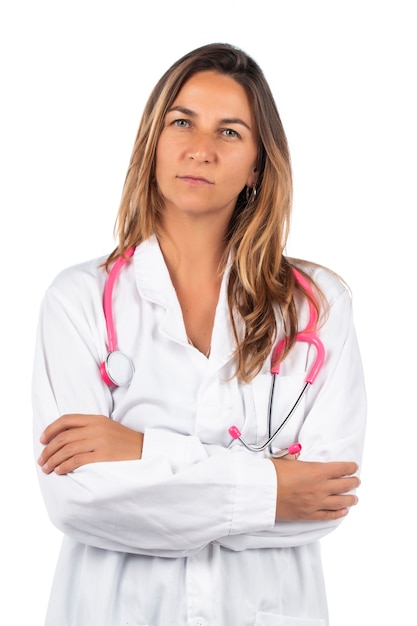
(286, 390)
(268, 619)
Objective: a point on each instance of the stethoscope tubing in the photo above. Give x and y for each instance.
(309, 335)
(267, 443)
(117, 369)
(108, 299)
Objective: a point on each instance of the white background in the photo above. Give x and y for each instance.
(74, 79)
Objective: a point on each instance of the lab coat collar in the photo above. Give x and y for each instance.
(154, 284)
(152, 276)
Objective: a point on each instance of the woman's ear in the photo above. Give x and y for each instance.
(252, 178)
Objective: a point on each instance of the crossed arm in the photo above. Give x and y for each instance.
(305, 490)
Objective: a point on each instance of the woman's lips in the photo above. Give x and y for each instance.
(195, 180)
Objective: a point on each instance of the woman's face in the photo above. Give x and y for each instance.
(207, 150)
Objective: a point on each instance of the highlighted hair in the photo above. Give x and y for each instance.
(261, 280)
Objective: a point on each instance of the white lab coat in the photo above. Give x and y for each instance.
(186, 535)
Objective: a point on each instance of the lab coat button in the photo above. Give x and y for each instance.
(199, 621)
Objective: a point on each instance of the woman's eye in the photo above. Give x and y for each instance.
(181, 123)
(229, 132)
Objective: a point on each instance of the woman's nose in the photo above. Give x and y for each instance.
(201, 148)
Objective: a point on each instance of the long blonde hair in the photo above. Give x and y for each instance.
(260, 278)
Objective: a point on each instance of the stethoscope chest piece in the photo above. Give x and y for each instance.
(117, 370)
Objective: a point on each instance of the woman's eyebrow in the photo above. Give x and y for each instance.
(226, 120)
(235, 120)
(181, 109)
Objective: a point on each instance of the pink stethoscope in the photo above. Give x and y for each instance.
(117, 369)
(309, 335)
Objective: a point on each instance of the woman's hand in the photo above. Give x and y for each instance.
(74, 440)
(314, 491)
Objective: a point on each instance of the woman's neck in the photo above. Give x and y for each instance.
(192, 248)
(193, 256)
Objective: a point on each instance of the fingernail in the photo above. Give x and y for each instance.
(42, 438)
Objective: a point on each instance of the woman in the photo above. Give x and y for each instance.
(167, 519)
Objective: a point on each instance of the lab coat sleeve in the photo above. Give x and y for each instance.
(334, 426)
(174, 500)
